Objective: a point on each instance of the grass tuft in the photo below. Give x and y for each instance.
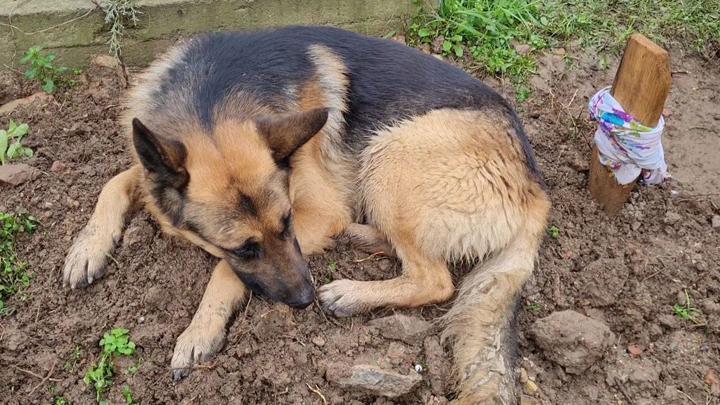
(14, 275)
(502, 37)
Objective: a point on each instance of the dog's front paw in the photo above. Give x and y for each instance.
(86, 260)
(342, 298)
(198, 343)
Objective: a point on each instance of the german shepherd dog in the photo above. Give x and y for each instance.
(262, 147)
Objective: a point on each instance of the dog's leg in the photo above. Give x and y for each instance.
(423, 281)
(368, 239)
(206, 333)
(89, 253)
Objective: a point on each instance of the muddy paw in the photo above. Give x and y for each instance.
(86, 259)
(341, 298)
(195, 345)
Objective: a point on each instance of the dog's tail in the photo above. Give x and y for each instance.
(481, 324)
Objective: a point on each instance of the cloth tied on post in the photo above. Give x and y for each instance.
(629, 148)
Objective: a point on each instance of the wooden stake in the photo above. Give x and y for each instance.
(641, 86)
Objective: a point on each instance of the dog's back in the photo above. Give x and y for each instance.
(387, 82)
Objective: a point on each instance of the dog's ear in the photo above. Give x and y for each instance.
(163, 158)
(285, 133)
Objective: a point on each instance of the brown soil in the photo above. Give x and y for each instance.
(627, 271)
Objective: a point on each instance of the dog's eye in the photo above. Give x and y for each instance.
(287, 226)
(248, 251)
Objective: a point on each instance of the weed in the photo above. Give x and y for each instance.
(554, 232)
(127, 394)
(61, 401)
(115, 343)
(332, 266)
(118, 15)
(533, 307)
(14, 275)
(685, 312)
(11, 146)
(43, 70)
(493, 31)
(75, 357)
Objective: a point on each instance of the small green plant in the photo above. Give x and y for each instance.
(43, 70)
(75, 357)
(533, 307)
(61, 401)
(132, 370)
(115, 343)
(14, 275)
(332, 266)
(118, 15)
(128, 395)
(554, 232)
(11, 146)
(685, 312)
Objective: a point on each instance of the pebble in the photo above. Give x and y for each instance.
(372, 379)
(408, 329)
(572, 340)
(16, 174)
(318, 341)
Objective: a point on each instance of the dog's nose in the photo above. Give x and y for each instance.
(304, 299)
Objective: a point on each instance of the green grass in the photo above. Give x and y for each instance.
(14, 274)
(553, 232)
(115, 342)
(686, 312)
(485, 34)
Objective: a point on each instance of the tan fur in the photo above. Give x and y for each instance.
(206, 332)
(445, 186)
(322, 178)
(86, 260)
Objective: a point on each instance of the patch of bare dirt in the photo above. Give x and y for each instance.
(625, 273)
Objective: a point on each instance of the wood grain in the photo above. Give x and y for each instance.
(641, 86)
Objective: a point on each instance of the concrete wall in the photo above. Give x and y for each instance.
(75, 29)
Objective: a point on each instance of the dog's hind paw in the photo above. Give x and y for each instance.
(86, 261)
(195, 345)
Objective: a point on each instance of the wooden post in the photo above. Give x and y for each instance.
(641, 86)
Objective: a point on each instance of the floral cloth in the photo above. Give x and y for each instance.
(627, 147)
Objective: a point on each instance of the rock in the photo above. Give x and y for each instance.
(105, 61)
(57, 167)
(716, 221)
(634, 350)
(372, 379)
(672, 218)
(710, 307)
(668, 320)
(522, 49)
(17, 173)
(712, 380)
(384, 264)
(408, 329)
(318, 341)
(438, 365)
(12, 105)
(572, 340)
(397, 354)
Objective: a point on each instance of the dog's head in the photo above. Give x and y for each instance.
(228, 193)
